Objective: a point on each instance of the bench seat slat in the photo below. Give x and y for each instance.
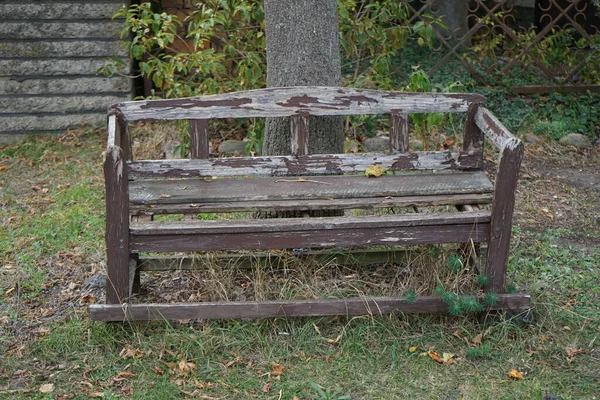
(308, 205)
(324, 164)
(401, 229)
(322, 187)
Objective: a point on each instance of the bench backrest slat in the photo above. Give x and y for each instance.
(300, 100)
(303, 165)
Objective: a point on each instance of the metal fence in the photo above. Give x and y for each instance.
(535, 41)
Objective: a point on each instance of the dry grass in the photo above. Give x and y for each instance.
(286, 276)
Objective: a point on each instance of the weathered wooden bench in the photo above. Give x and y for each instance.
(329, 182)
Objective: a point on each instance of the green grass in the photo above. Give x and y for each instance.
(51, 238)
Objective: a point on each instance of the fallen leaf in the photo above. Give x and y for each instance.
(131, 352)
(203, 385)
(123, 375)
(95, 395)
(412, 349)
(165, 196)
(184, 367)
(572, 352)
(374, 171)
(47, 388)
(435, 356)
(567, 328)
(277, 370)
(477, 339)
(446, 357)
(9, 291)
(514, 374)
(267, 387)
(3, 168)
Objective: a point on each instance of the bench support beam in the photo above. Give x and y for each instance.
(286, 308)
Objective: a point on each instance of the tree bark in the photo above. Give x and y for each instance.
(303, 49)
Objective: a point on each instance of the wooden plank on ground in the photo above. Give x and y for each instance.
(289, 308)
(307, 188)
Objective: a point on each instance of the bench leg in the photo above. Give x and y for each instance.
(502, 215)
(117, 226)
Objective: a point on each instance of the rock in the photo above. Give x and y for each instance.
(232, 147)
(576, 140)
(533, 139)
(378, 143)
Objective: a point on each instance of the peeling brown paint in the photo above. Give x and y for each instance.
(406, 162)
(195, 102)
(469, 97)
(346, 100)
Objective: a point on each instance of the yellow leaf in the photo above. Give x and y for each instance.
(374, 171)
(514, 374)
(47, 388)
(413, 349)
(9, 291)
(446, 357)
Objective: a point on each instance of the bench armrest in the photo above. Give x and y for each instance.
(117, 134)
(507, 175)
(495, 130)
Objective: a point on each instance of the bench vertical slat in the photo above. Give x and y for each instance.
(117, 225)
(299, 134)
(199, 147)
(502, 213)
(473, 136)
(399, 132)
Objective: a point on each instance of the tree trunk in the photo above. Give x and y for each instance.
(303, 49)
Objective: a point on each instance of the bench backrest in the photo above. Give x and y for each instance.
(300, 103)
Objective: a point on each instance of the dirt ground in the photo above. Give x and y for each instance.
(559, 189)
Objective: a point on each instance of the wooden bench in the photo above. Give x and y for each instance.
(303, 182)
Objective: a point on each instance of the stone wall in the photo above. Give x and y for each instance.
(50, 52)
